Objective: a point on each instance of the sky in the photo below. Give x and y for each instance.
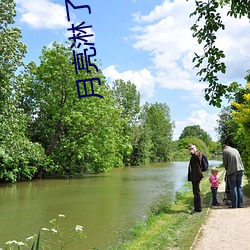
(146, 42)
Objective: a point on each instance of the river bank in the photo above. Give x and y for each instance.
(172, 227)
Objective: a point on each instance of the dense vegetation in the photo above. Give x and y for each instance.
(46, 130)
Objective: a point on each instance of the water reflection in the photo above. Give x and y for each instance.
(105, 204)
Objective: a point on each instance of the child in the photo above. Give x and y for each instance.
(214, 185)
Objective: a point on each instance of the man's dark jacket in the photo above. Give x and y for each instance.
(194, 169)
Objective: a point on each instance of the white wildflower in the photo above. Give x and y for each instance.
(29, 238)
(61, 215)
(54, 230)
(20, 243)
(45, 229)
(10, 242)
(78, 228)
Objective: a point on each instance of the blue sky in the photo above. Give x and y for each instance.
(148, 42)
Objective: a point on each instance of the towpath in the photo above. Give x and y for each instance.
(225, 228)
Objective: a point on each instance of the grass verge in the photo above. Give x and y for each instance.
(170, 226)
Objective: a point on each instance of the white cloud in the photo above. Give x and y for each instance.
(234, 41)
(143, 80)
(208, 122)
(165, 33)
(43, 14)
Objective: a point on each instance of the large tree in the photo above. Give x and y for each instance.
(156, 121)
(128, 100)
(19, 157)
(78, 134)
(227, 127)
(241, 115)
(196, 131)
(205, 29)
(12, 51)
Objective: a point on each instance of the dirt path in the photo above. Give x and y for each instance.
(225, 228)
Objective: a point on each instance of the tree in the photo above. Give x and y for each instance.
(196, 131)
(128, 100)
(183, 144)
(227, 127)
(20, 158)
(12, 50)
(208, 23)
(142, 145)
(230, 130)
(157, 122)
(78, 134)
(242, 116)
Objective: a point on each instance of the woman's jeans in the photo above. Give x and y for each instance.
(235, 182)
(214, 196)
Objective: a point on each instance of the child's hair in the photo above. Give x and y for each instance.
(214, 170)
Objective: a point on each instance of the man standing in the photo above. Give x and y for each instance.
(195, 175)
(235, 170)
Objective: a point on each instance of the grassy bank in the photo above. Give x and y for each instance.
(170, 227)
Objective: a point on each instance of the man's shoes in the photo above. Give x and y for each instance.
(231, 206)
(217, 204)
(194, 212)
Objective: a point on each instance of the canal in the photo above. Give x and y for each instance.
(106, 204)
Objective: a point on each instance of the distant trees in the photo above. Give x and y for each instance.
(183, 144)
(198, 132)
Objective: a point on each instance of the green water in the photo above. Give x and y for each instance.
(105, 204)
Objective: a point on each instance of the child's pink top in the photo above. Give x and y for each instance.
(214, 181)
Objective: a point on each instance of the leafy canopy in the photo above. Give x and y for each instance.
(205, 28)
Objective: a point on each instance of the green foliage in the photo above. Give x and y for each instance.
(128, 100)
(205, 28)
(201, 146)
(196, 131)
(36, 243)
(79, 135)
(11, 50)
(142, 145)
(227, 127)
(20, 157)
(46, 130)
(157, 122)
(215, 147)
(233, 123)
(241, 116)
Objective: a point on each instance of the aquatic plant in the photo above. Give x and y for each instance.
(48, 237)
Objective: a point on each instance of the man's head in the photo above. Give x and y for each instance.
(192, 148)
